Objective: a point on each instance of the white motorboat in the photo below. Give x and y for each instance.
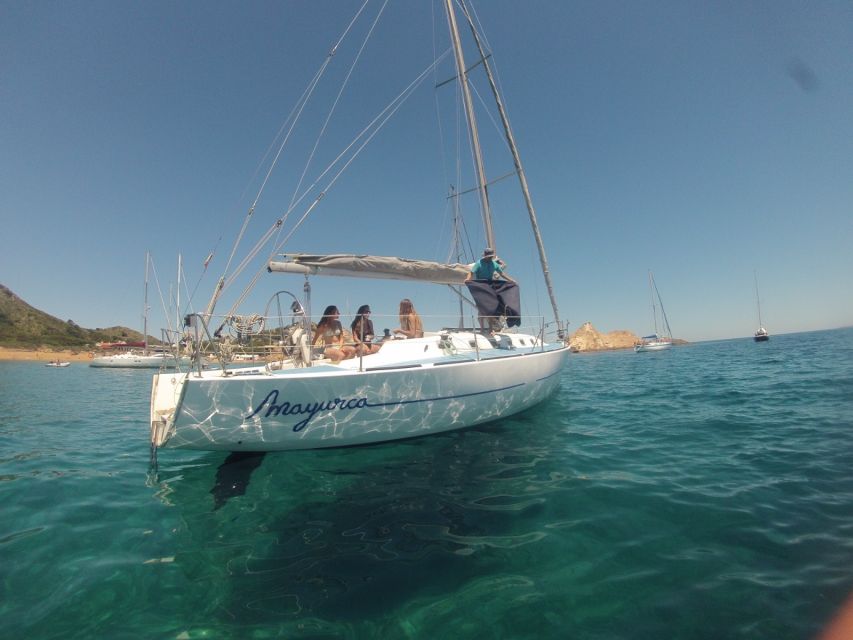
(57, 363)
(448, 379)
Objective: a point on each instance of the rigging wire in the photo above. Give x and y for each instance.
(474, 17)
(460, 135)
(520, 171)
(301, 104)
(369, 131)
(188, 307)
(441, 140)
(162, 301)
(343, 160)
(377, 124)
(207, 260)
(337, 99)
(299, 107)
(473, 130)
(305, 99)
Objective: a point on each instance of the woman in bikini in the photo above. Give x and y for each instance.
(362, 332)
(410, 322)
(329, 338)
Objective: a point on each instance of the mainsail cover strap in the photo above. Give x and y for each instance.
(364, 266)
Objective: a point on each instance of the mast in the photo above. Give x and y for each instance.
(519, 169)
(652, 299)
(662, 310)
(178, 308)
(472, 125)
(145, 306)
(457, 246)
(757, 298)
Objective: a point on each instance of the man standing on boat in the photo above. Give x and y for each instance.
(493, 297)
(489, 267)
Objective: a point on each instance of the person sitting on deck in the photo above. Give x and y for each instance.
(410, 322)
(362, 332)
(329, 337)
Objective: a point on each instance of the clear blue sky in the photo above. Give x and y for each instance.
(699, 140)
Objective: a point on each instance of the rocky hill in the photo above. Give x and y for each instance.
(25, 327)
(588, 338)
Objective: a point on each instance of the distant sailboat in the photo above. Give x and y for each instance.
(133, 359)
(660, 339)
(761, 335)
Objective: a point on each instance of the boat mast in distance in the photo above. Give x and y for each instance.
(661, 339)
(761, 335)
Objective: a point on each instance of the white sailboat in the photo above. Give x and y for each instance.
(661, 339)
(761, 335)
(448, 379)
(134, 358)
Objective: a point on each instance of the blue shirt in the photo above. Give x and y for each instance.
(486, 269)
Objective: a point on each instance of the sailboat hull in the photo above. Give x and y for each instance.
(652, 346)
(761, 337)
(138, 361)
(327, 406)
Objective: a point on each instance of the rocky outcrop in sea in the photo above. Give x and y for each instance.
(588, 338)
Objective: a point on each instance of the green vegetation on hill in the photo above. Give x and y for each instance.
(25, 327)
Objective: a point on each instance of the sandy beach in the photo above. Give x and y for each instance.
(44, 355)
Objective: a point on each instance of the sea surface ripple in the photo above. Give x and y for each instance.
(703, 492)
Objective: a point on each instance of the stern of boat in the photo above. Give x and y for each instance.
(166, 392)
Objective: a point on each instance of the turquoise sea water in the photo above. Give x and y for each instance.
(704, 492)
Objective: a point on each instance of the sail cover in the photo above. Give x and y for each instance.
(497, 298)
(362, 266)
